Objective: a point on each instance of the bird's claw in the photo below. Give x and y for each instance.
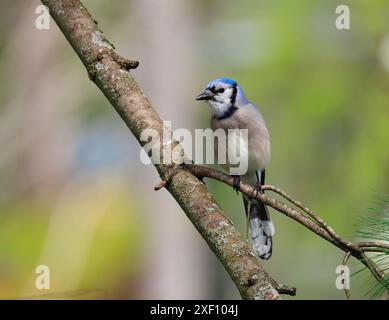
(257, 189)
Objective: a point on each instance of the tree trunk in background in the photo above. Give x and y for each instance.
(168, 34)
(36, 149)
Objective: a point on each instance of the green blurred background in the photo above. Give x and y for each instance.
(75, 197)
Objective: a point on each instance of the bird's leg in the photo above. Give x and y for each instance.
(236, 185)
(257, 186)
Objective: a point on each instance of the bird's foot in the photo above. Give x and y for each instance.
(236, 184)
(257, 189)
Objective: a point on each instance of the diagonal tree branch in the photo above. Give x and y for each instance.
(110, 73)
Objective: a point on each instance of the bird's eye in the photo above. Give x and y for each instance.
(221, 90)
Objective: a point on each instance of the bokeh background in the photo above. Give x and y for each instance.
(75, 197)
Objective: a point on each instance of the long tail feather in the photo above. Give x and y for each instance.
(260, 227)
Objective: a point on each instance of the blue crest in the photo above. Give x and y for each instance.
(227, 81)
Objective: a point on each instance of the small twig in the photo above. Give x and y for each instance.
(164, 183)
(347, 291)
(375, 270)
(282, 289)
(125, 63)
(160, 185)
(374, 245)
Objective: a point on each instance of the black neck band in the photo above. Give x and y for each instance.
(231, 110)
(234, 93)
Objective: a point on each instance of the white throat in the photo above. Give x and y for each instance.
(219, 108)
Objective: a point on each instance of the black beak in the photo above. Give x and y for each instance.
(206, 95)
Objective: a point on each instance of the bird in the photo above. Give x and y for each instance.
(231, 109)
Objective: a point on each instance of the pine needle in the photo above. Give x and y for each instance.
(375, 227)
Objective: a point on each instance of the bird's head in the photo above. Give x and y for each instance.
(224, 96)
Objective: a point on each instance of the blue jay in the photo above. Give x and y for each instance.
(231, 110)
